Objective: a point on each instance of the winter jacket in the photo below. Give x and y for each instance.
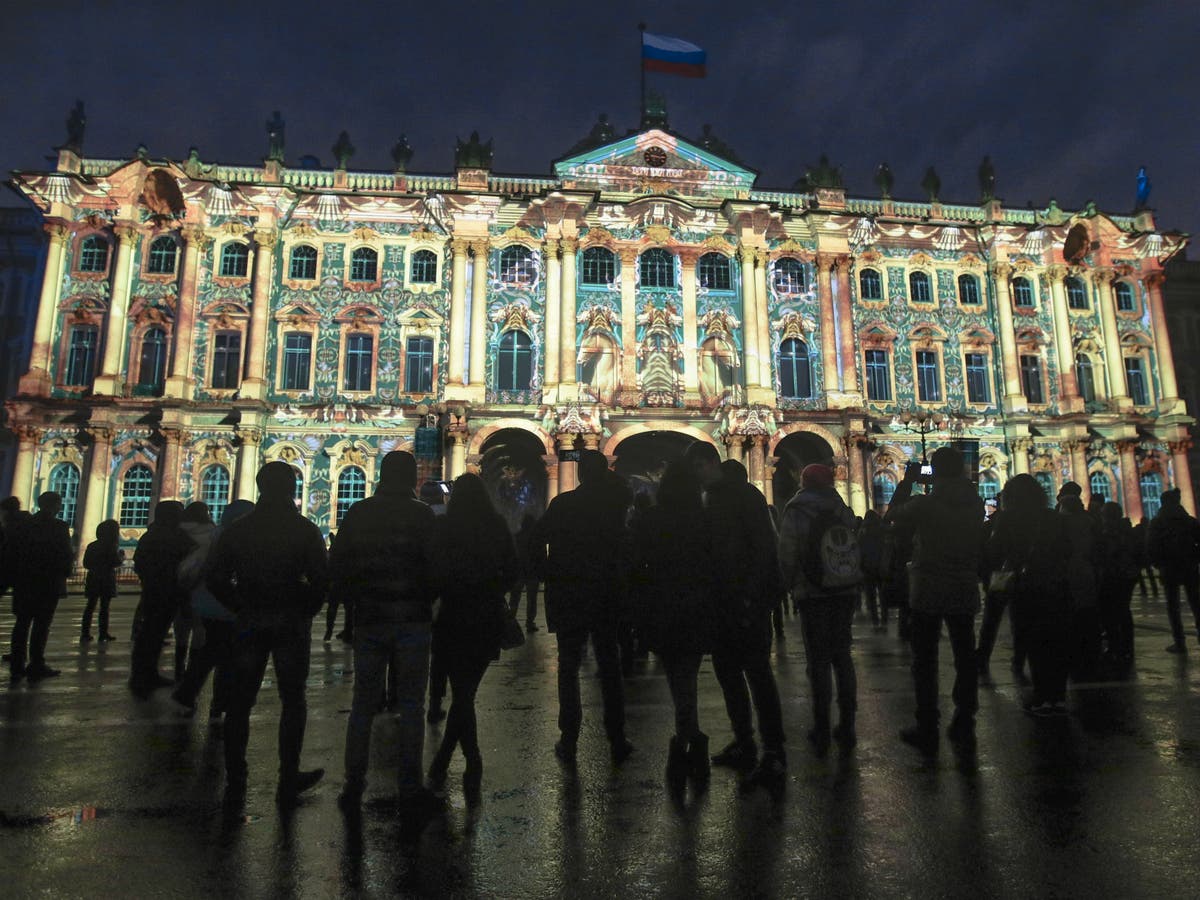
(380, 560)
(1083, 562)
(193, 569)
(472, 569)
(944, 572)
(101, 560)
(1039, 549)
(270, 563)
(1173, 542)
(795, 536)
(156, 560)
(745, 554)
(39, 548)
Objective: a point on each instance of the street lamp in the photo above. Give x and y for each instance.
(921, 422)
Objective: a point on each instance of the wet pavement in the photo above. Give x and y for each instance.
(103, 795)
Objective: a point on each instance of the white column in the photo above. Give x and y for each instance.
(37, 380)
(551, 338)
(1068, 390)
(1013, 399)
(254, 384)
(1114, 365)
(752, 366)
(566, 349)
(111, 380)
(28, 439)
(1162, 342)
(479, 327)
(762, 311)
(247, 465)
(455, 376)
(95, 486)
(183, 379)
(691, 374)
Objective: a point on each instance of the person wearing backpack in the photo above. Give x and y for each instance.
(944, 579)
(820, 558)
(1174, 547)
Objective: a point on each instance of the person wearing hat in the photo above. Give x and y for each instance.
(826, 611)
(269, 569)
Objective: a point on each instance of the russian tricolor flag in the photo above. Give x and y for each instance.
(672, 55)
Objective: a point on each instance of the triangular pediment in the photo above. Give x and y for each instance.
(654, 161)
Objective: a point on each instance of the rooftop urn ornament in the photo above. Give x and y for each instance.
(142, 152)
(884, 180)
(402, 153)
(343, 150)
(76, 124)
(1143, 188)
(473, 154)
(824, 175)
(716, 146)
(931, 184)
(987, 180)
(275, 137)
(654, 111)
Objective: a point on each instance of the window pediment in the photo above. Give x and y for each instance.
(359, 316)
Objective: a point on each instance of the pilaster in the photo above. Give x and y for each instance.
(455, 373)
(1114, 365)
(762, 306)
(828, 327)
(247, 464)
(1131, 488)
(36, 382)
(629, 385)
(1068, 389)
(1169, 402)
(28, 439)
(752, 366)
(566, 348)
(554, 324)
(845, 329)
(479, 328)
(691, 374)
(111, 380)
(254, 385)
(1183, 473)
(1012, 397)
(96, 485)
(182, 380)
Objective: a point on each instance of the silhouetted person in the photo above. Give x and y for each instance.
(585, 533)
(870, 543)
(198, 525)
(1032, 540)
(346, 635)
(527, 582)
(156, 560)
(1117, 577)
(1141, 549)
(672, 584)
(270, 570)
(1174, 547)
(1082, 586)
(101, 560)
(11, 516)
(380, 564)
(474, 564)
(747, 587)
(434, 497)
(42, 557)
(214, 630)
(945, 588)
(826, 612)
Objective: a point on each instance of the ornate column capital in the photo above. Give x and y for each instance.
(1021, 445)
(196, 236)
(842, 262)
(125, 233)
(1155, 279)
(100, 434)
(264, 240)
(550, 248)
(565, 440)
(57, 231)
(762, 257)
(1056, 273)
(1002, 269)
(1180, 446)
(479, 247)
(459, 246)
(746, 254)
(1104, 275)
(28, 434)
(628, 255)
(689, 256)
(251, 437)
(568, 245)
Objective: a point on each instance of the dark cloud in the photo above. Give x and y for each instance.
(1068, 99)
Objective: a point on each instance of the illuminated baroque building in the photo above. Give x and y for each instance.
(197, 320)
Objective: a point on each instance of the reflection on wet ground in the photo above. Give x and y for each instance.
(102, 794)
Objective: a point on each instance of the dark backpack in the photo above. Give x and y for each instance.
(833, 559)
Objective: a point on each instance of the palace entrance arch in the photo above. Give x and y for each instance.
(641, 458)
(512, 466)
(792, 454)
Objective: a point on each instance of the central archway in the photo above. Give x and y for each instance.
(512, 466)
(793, 453)
(641, 458)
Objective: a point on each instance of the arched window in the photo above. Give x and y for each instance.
(1136, 381)
(517, 265)
(93, 254)
(214, 490)
(989, 486)
(303, 265)
(883, 486)
(152, 370)
(351, 487)
(418, 365)
(360, 362)
(235, 260)
(297, 360)
(1046, 482)
(161, 260)
(870, 285)
(1126, 301)
(81, 356)
(919, 287)
(795, 369)
(657, 268)
(1076, 293)
(136, 491)
(968, 290)
(929, 381)
(1022, 293)
(1085, 377)
(599, 266)
(1100, 486)
(364, 264)
(226, 359)
(1031, 377)
(713, 272)
(424, 267)
(64, 481)
(789, 276)
(1151, 488)
(514, 366)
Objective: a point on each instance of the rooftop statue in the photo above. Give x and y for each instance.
(931, 184)
(987, 180)
(884, 180)
(1143, 188)
(76, 123)
(654, 111)
(473, 154)
(275, 126)
(602, 133)
(343, 150)
(716, 146)
(402, 153)
(824, 175)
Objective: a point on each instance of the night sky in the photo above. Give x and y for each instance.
(1068, 98)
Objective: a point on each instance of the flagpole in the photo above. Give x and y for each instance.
(642, 69)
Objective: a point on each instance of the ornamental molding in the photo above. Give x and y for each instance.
(718, 243)
(718, 323)
(747, 421)
(598, 319)
(516, 235)
(598, 234)
(577, 418)
(658, 234)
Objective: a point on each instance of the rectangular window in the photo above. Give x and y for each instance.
(879, 385)
(227, 359)
(359, 362)
(1135, 381)
(977, 378)
(297, 358)
(81, 356)
(1031, 379)
(929, 388)
(418, 365)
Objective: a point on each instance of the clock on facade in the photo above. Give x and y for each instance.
(656, 157)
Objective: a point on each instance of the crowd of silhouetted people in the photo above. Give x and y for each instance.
(431, 588)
